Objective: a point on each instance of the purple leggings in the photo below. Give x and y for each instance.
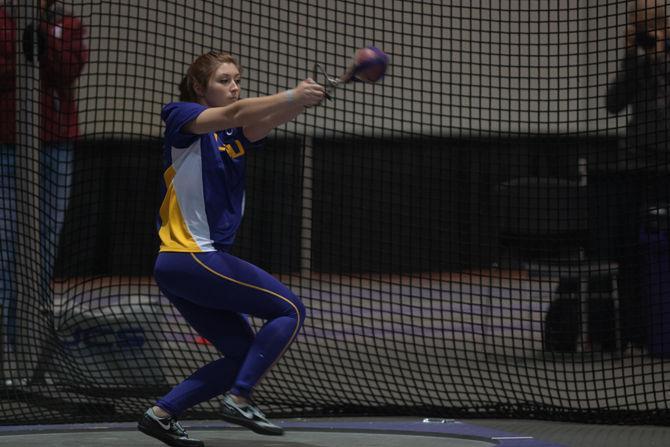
(212, 291)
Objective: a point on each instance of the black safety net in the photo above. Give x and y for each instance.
(481, 233)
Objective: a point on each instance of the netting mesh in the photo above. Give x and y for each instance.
(483, 233)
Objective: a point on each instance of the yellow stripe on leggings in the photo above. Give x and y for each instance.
(227, 278)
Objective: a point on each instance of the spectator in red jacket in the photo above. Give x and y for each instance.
(62, 57)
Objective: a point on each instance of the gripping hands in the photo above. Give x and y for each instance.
(308, 93)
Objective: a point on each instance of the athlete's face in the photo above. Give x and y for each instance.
(223, 87)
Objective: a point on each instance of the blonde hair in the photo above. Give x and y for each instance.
(200, 71)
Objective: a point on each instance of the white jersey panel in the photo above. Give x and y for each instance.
(188, 186)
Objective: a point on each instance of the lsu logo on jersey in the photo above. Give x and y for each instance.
(233, 152)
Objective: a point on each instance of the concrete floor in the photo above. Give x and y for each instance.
(299, 433)
(355, 432)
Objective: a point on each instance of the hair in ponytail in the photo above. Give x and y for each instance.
(186, 92)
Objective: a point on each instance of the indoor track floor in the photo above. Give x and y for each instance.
(356, 432)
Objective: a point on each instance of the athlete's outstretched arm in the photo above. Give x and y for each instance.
(264, 126)
(247, 112)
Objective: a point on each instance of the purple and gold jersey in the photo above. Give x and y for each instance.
(204, 179)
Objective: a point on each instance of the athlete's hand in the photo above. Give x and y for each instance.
(309, 93)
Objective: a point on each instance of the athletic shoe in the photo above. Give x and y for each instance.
(249, 416)
(166, 429)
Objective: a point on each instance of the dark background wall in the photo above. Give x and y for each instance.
(110, 226)
(379, 205)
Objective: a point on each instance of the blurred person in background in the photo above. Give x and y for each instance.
(638, 178)
(643, 84)
(62, 55)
